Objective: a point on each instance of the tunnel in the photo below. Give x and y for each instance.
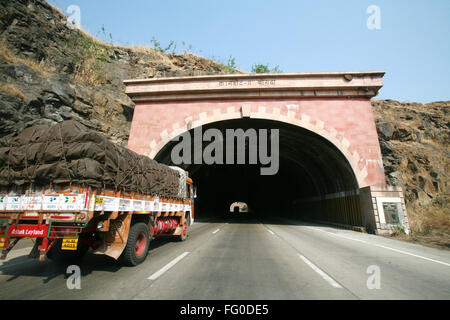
(314, 180)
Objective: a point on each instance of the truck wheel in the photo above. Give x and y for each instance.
(59, 255)
(184, 232)
(138, 242)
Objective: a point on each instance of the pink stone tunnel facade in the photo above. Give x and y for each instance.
(347, 123)
(335, 106)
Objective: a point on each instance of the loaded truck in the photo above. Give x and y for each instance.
(70, 190)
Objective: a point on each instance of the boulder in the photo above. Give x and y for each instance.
(385, 130)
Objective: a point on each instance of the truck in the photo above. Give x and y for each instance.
(66, 220)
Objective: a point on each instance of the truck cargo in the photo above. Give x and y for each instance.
(71, 189)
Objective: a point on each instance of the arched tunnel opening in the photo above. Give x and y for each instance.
(314, 180)
(239, 207)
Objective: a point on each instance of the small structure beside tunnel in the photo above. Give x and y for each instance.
(331, 169)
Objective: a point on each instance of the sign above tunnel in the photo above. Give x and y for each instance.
(284, 85)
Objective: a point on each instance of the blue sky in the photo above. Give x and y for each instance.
(412, 45)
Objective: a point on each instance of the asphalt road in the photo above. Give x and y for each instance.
(245, 259)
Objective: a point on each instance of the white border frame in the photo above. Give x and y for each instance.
(380, 201)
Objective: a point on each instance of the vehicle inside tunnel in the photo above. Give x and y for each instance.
(314, 180)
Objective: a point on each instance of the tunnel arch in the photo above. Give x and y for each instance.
(317, 177)
(274, 114)
(242, 206)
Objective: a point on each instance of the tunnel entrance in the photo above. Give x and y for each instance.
(330, 164)
(239, 207)
(314, 180)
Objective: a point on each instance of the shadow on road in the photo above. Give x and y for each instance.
(22, 266)
(48, 270)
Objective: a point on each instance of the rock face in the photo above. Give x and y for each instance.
(50, 72)
(414, 140)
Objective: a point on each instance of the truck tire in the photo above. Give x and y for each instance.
(59, 255)
(184, 233)
(137, 246)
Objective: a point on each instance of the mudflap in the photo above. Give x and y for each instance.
(117, 236)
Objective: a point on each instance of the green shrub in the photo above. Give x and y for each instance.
(264, 68)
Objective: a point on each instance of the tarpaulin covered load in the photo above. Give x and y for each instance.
(182, 181)
(70, 153)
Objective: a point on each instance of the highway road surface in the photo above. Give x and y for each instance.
(245, 259)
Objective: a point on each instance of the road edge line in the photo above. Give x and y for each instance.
(384, 247)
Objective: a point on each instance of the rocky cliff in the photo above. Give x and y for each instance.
(414, 140)
(50, 72)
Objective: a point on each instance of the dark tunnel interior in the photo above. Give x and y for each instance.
(314, 180)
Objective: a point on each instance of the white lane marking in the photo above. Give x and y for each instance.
(270, 231)
(414, 255)
(214, 232)
(388, 248)
(320, 272)
(161, 271)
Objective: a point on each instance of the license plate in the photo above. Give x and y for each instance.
(99, 200)
(69, 244)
